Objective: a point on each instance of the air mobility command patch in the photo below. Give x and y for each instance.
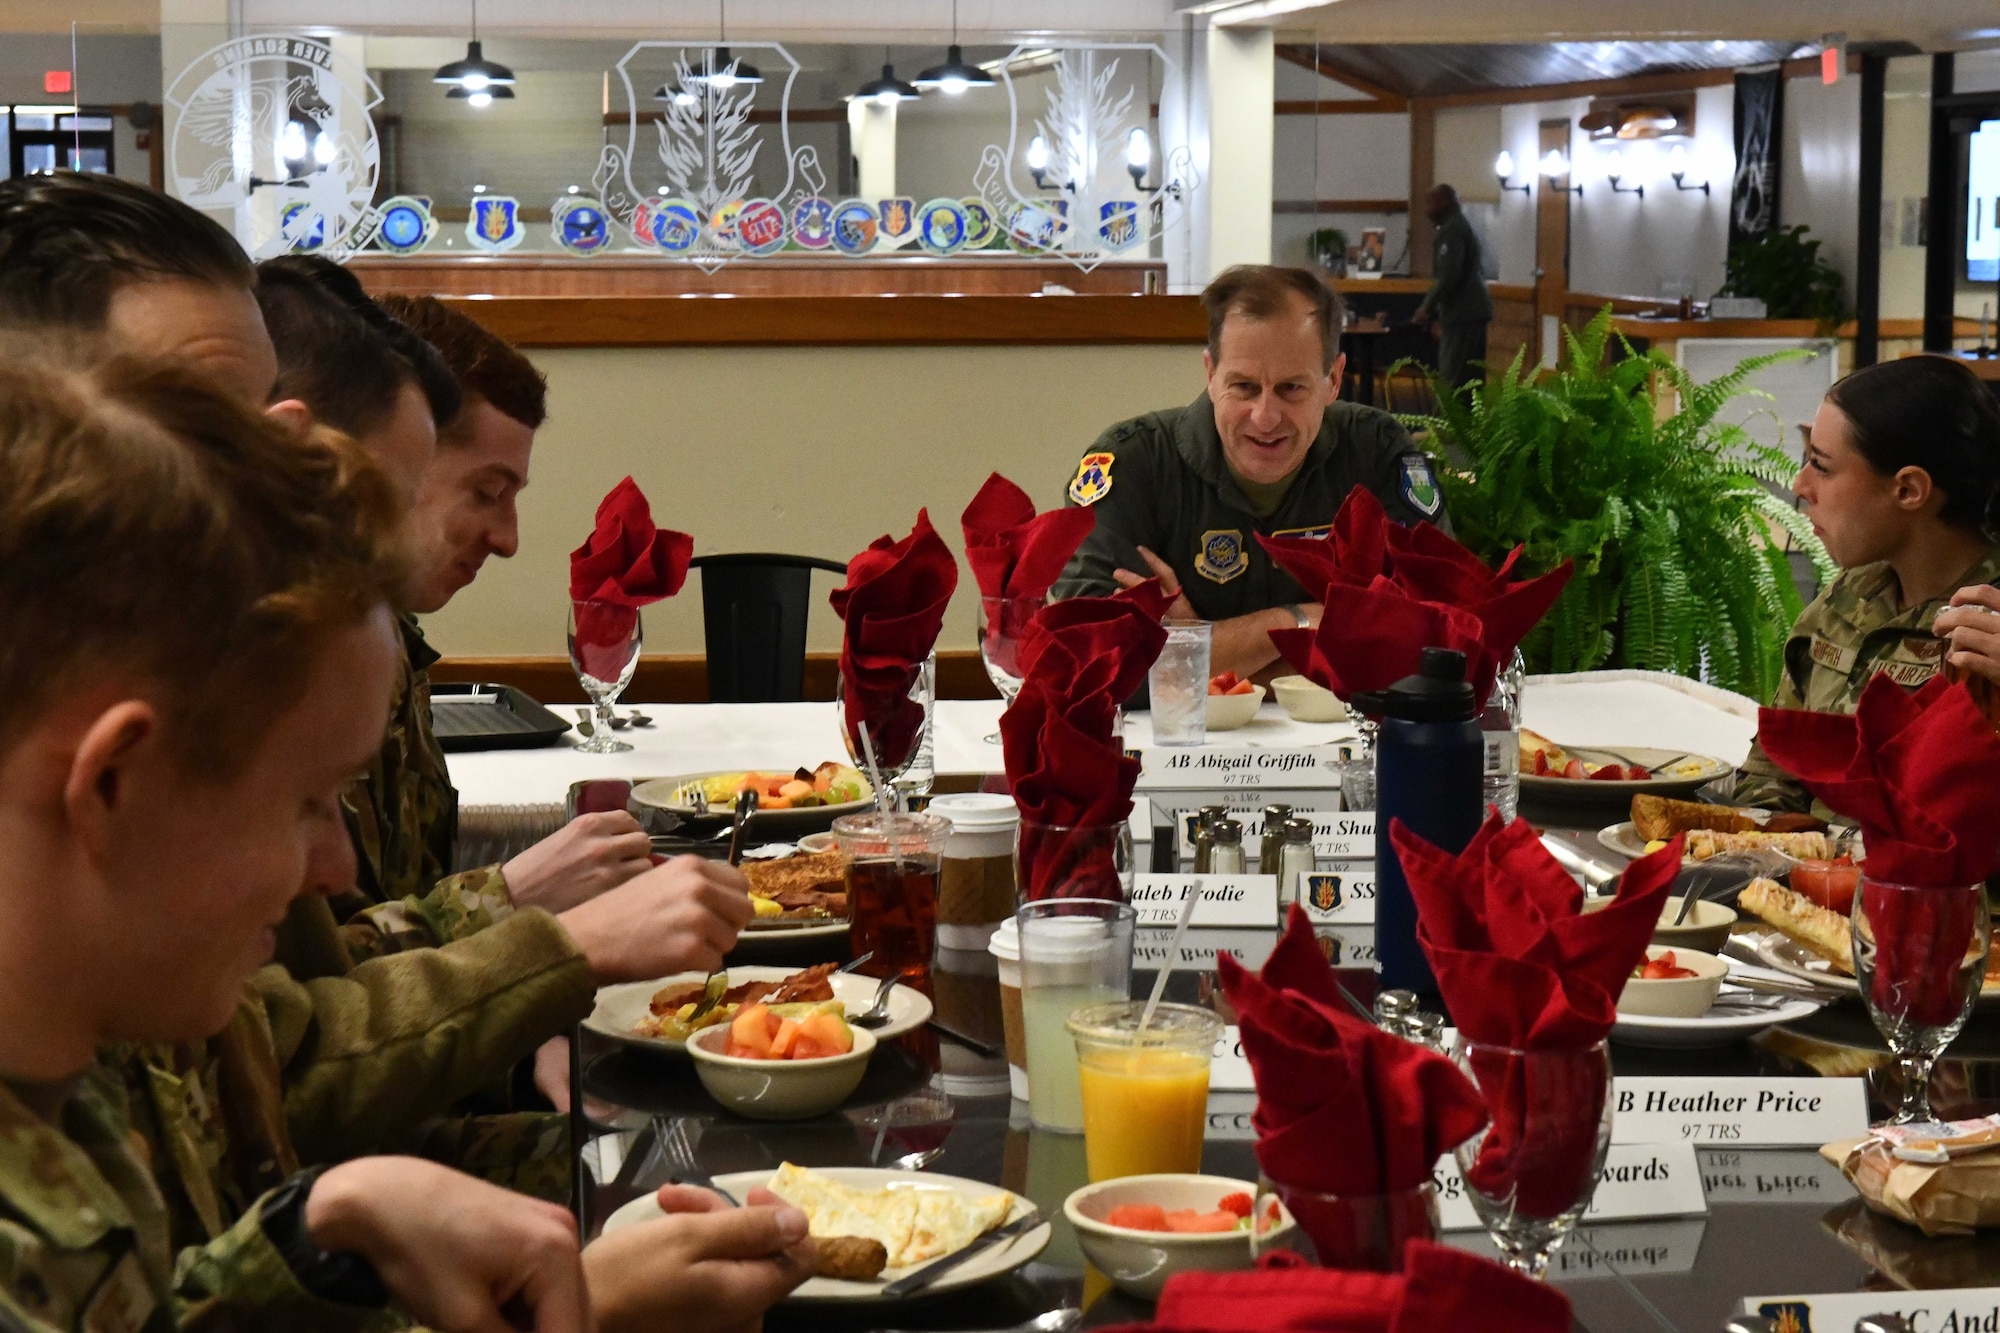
(1221, 557)
(1093, 479)
(1419, 486)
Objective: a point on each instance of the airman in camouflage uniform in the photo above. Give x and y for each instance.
(1851, 633)
(403, 815)
(86, 1241)
(322, 1071)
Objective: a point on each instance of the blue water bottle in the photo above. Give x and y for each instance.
(1430, 758)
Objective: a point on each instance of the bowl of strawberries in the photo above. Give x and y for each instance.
(1232, 701)
(1673, 983)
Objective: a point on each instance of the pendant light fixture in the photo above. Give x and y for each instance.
(887, 90)
(475, 80)
(955, 75)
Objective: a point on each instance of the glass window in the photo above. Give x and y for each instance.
(90, 159)
(38, 159)
(86, 123)
(34, 122)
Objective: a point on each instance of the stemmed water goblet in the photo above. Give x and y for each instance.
(1920, 959)
(604, 639)
(1003, 623)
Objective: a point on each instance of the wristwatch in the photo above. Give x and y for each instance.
(342, 1277)
(1298, 614)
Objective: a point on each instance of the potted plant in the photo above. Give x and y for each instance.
(1328, 248)
(1784, 270)
(1668, 518)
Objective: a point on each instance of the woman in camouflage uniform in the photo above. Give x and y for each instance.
(1900, 481)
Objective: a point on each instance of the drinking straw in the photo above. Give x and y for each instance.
(1173, 952)
(881, 797)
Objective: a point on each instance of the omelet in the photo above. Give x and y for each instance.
(914, 1224)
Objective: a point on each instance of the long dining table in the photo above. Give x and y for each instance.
(1777, 1220)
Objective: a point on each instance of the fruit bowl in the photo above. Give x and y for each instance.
(1304, 701)
(778, 1089)
(1140, 1262)
(1227, 712)
(1675, 997)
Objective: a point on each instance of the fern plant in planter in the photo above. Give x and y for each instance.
(1667, 518)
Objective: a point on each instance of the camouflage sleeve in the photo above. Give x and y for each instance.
(399, 1039)
(240, 1280)
(457, 906)
(1762, 783)
(524, 1151)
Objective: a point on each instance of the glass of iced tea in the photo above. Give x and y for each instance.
(891, 864)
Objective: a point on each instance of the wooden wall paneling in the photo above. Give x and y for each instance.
(1551, 237)
(1423, 175)
(837, 321)
(682, 678)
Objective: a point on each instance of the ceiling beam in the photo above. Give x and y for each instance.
(1384, 99)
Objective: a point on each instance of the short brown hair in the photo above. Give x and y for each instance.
(486, 364)
(1262, 291)
(153, 528)
(339, 353)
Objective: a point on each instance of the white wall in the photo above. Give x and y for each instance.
(1340, 157)
(1906, 139)
(1821, 183)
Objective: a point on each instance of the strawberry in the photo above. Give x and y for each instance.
(1237, 1203)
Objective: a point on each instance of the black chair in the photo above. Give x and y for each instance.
(753, 619)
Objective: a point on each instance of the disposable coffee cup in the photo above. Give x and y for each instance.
(976, 884)
(1005, 945)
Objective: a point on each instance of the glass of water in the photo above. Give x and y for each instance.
(1178, 684)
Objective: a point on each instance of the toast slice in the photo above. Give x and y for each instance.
(1704, 843)
(1661, 817)
(1800, 918)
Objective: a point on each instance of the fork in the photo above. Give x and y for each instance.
(678, 1150)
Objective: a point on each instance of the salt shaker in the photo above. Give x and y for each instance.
(1226, 857)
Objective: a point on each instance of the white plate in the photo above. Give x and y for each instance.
(990, 1263)
(1787, 955)
(620, 1007)
(1624, 839)
(1659, 784)
(1711, 1029)
(666, 794)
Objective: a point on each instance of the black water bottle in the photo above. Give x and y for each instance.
(1429, 760)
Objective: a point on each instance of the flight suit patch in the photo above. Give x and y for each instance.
(1419, 486)
(1318, 534)
(1920, 648)
(1907, 674)
(1832, 656)
(1093, 479)
(1915, 660)
(1221, 557)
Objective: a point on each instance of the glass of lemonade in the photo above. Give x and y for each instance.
(1075, 952)
(1145, 1091)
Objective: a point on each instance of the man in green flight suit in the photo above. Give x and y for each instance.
(1457, 307)
(1268, 448)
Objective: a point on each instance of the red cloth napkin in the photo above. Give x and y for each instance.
(625, 563)
(1013, 551)
(893, 604)
(1522, 968)
(1391, 591)
(1070, 776)
(1439, 1289)
(1343, 1108)
(1920, 773)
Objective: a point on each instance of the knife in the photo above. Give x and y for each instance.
(937, 1268)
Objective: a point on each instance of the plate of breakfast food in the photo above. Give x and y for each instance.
(875, 1226)
(788, 803)
(658, 1015)
(1808, 940)
(802, 895)
(1714, 830)
(1597, 773)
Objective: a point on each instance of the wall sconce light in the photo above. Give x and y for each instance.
(1616, 173)
(1678, 161)
(1038, 161)
(1503, 167)
(1555, 163)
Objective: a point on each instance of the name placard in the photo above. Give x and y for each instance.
(1640, 1180)
(1348, 836)
(1952, 1310)
(1342, 894)
(1632, 1248)
(1739, 1112)
(1795, 1176)
(1230, 1070)
(1226, 900)
(1199, 948)
(1258, 769)
(1229, 1117)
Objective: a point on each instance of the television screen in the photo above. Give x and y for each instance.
(1982, 205)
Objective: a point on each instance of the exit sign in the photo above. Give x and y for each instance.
(56, 81)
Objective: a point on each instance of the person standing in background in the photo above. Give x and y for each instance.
(1457, 307)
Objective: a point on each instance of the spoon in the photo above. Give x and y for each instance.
(717, 984)
(876, 1014)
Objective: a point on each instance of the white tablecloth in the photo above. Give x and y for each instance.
(1605, 708)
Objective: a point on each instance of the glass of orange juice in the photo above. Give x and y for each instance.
(1145, 1092)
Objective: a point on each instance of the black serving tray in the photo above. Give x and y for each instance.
(491, 717)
